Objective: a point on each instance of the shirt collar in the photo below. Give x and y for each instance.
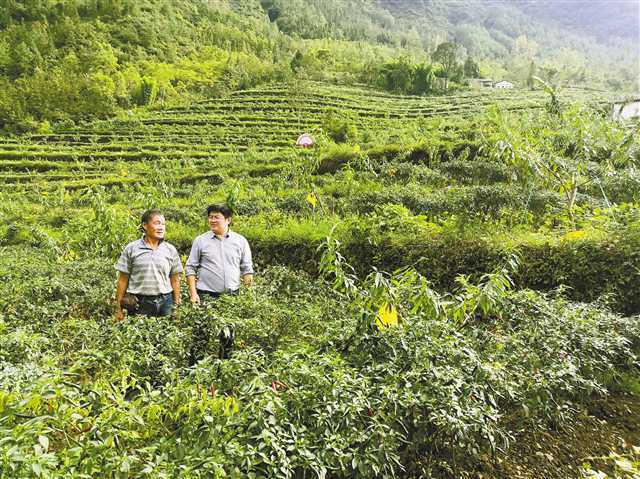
(144, 244)
(213, 235)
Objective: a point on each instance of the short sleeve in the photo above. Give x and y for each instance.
(246, 262)
(176, 264)
(124, 262)
(193, 262)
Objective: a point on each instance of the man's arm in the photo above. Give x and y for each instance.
(246, 265)
(193, 293)
(121, 289)
(175, 285)
(175, 276)
(191, 269)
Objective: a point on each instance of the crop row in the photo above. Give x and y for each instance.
(219, 113)
(319, 100)
(58, 173)
(134, 155)
(365, 96)
(151, 135)
(205, 144)
(291, 112)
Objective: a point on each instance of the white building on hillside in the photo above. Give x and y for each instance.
(627, 109)
(504, 84)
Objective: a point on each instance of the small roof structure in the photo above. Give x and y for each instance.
(627, 108)
(305, 141)
(503, 84)
(483, 82)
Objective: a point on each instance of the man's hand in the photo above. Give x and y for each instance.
(193, 292)
(177, 300)
(247, 279)
(195, 298)
(121, 289)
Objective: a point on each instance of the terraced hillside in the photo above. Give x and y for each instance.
(439, 159)
(266, 120)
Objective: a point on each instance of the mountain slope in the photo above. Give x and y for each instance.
(83, 59)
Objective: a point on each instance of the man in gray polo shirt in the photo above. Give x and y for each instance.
(149, 270)
(219, 259)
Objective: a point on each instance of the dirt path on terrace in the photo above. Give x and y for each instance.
(607, 425)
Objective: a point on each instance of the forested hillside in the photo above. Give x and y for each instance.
(82, 59)
(577, 41)
(606, 20)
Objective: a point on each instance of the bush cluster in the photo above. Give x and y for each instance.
(313, 387)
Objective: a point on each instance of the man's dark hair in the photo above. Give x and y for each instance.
(220, 208)
(148, 215)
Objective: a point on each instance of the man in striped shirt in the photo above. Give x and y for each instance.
(149, 270)
(219, 258)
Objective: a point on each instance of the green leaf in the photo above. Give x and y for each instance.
(44, 442)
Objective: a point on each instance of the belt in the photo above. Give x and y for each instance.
(216, 293)
(152, 296)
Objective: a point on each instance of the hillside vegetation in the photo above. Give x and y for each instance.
(77, 60)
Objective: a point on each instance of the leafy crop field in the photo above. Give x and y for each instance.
(437, 279)
(265, 121)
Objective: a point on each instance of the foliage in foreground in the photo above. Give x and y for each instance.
(315, 388)
(622, 466)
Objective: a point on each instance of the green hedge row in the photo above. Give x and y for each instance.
(589, 268)
(428, 152)
(487, 200)
(422, 153)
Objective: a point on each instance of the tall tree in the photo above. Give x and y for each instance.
(531, 76)
(446, 55)
(471, 68)
(398, 75)
(423, 78)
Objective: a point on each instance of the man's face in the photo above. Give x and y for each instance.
(218, 223)
(155, 228)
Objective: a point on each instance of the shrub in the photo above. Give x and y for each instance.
(409, 172)
(340, 129)
(476, 172)
(335, 158)
(486, 201)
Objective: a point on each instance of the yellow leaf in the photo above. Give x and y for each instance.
(70, 255)
(312, 199)
(574, 235)
(387, 316)
(231, 406)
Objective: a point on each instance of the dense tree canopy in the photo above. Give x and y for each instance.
(80, 59)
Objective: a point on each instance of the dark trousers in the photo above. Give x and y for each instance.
(212, 295)
(160, 305)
